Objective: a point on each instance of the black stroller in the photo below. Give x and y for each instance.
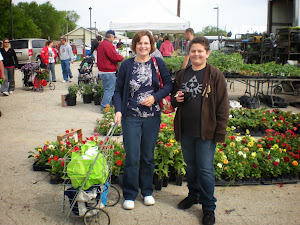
(85, 75)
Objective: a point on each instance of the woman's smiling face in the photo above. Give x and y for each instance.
(143, 47)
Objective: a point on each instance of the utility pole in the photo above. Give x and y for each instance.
(12, 23)
(178, 14)
(91, 23)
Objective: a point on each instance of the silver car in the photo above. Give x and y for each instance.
(28, 49)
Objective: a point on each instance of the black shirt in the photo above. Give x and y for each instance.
(9, 57)
(191, 108)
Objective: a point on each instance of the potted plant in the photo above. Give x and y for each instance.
(86, 91)
(98, 93)
(72, 93)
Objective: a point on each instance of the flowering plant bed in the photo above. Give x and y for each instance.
(107, 121)
(258, 120)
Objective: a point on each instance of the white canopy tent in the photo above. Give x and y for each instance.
(150, 15)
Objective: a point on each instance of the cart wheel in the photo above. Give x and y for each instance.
(113, 196)
(26, 87)
(96, 216)
(40, 89)
(51, 86)
(277, 90)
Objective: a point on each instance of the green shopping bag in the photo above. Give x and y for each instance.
(80, 165)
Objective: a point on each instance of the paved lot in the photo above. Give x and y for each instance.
(31, 118)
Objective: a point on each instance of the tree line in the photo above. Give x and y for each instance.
(31, 20)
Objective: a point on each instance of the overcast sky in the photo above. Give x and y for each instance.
(233, 14)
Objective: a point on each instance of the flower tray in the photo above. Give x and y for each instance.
(40, 167)
(55, 179)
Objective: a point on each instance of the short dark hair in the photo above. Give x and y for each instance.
(137, 37)
(48, 42)
(63, 38)
(99, 38)
(166, 37)
(200, 40)
(190, 30)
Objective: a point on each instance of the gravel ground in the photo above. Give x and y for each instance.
(30, 118)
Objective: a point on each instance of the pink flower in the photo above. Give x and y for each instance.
(275, 163)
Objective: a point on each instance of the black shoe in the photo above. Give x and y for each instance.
(187, 203)
(208, 217)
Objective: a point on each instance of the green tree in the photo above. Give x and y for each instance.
(212, 31)
(23, 24)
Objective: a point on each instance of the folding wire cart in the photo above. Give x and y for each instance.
(87, 183)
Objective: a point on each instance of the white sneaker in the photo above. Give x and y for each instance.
(149, 200)
(63, 81)
(5, 93)
(11, 92)
(71, 79)
(128, 204)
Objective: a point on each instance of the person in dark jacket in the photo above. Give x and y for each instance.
(10, 62)
(201, 119)
(95, 45)
(136, 100)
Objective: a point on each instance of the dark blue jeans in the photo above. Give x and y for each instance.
(139, 136)
(198, 154)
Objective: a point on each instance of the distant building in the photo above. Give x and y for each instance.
(283, 13)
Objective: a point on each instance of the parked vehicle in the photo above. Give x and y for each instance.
(28, 49)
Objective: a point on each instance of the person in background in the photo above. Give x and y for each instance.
(2, 76)
(49, 55)
(107, 63)
(166, 47)
(188, 35)
(160, 41)
(66, 57)
(200, 122)
(95, 45)
(10, 62)
(155, 39)
(136, 101)
(120, 43)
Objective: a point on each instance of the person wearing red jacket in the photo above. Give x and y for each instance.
(49, 55)
(166, 47)
(107, 63)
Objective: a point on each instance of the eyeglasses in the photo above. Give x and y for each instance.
(6, 41)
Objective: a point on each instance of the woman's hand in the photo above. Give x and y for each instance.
(118, 117)
(148, 101)
(179, 96)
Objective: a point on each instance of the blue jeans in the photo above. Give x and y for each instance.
(65, 67)
(9, 83)
(139, 136)
(109, 83)
(198, 154)
(51, 67)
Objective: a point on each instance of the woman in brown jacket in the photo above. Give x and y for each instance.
(200, 122)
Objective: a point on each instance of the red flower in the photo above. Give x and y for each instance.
(45, 148)
(255, 166)
(62, 163)
(269, 146)
(44, 83)
(277, 140)
(245, 141)
(283, 145)
(275, 163)
(259, 145)
(224, 145)
(286, 159)
(67, 131)
(119, 162)
(168, 144)
(163, 125)
(269, 156)
(49, 160)
(264, 119)
(76, 148)
(295, 128)
(117, 153)
(232, 137)
(68, 143)
(160, 142)
(91, 138)
(297, 156)
(55, 158)
(271, 139)
(72, 129)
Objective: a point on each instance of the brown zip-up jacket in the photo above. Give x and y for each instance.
(215, 105)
